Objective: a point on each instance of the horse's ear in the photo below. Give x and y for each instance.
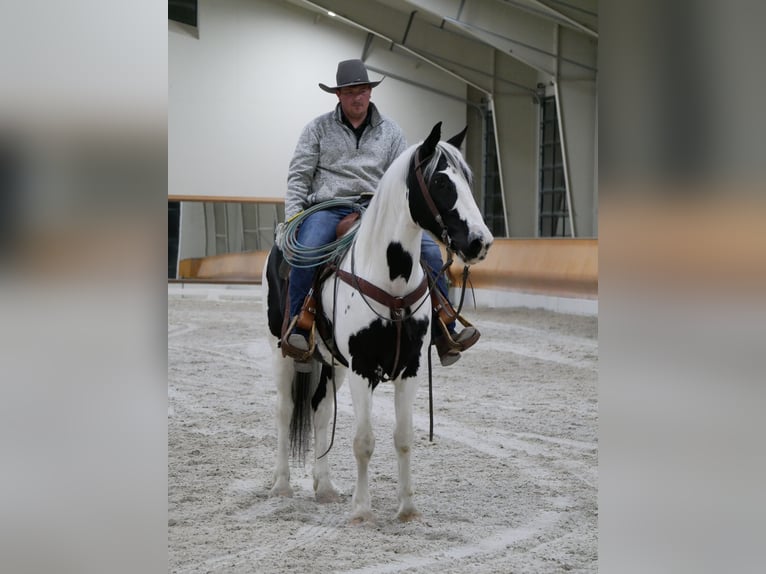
(457, 140)
(429, 146)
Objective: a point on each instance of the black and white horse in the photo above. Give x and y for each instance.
(381, 332)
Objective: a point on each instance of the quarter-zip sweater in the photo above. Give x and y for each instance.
(329, 161)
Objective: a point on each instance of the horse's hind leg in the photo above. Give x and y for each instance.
(364, 445)
(404, 397)
(323, 404)
(283, 371)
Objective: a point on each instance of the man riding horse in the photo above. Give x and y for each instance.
(343, 154)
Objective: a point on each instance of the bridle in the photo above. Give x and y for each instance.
(418, 168)
(418, 165)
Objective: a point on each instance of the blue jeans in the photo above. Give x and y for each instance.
(319, 229)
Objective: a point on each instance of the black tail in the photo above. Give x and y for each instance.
(300, 422)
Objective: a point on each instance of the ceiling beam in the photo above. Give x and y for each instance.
(543, 9)
(524, 29)
(361, 16)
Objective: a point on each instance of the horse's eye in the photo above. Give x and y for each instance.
(439, 180)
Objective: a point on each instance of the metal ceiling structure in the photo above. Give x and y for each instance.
(463, 37)
(499, 48)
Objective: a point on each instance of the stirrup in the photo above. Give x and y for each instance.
(300, 355)
(450, 342)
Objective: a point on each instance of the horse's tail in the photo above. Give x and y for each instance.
(300, 422)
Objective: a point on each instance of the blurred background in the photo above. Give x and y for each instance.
(682, 264)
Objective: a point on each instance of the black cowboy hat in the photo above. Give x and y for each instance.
(350, 73)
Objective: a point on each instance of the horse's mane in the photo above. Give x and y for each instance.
(397, 172)
(454, 159)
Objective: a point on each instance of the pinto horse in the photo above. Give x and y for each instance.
(377, 305)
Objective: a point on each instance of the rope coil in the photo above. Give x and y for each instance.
(297, 254)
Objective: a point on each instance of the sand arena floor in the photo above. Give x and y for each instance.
(509, 483)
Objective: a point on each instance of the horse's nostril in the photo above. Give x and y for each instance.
(475, 248)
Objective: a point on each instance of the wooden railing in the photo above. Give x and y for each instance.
(562, 267)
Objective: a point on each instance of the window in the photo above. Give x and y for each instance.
(492, 206)
(553, 218)
(221, 227)
(184, 11)
(174, 229)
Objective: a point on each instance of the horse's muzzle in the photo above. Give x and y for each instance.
(476, 251)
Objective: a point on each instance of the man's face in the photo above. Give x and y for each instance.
(355, 100)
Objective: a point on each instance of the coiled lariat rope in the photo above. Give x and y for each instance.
(298, 255)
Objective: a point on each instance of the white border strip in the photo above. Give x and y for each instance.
(506, 299)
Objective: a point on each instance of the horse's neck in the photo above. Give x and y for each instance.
(387, 221)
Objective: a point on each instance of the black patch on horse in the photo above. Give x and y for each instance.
(319, 394)
(373, 349)
(399, 261)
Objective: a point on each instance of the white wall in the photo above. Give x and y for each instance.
(241, 92)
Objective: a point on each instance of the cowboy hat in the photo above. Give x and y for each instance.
(350, 73)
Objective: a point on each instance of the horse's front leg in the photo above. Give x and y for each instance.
(404, 396)
(364, 445)
(283, 371)
(324, 400)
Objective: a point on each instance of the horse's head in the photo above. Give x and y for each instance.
(440, 197)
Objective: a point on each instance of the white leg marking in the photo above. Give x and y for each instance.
(364, 445)
(283, 371)
(404, 396)
(324, 489)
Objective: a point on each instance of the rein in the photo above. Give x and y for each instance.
(418, 165)
(432, 282)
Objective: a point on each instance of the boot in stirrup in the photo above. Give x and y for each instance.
(294, 343)
(448, 344)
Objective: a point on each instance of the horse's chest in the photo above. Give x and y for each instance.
(381, 350)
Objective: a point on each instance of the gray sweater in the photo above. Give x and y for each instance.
(328, 162)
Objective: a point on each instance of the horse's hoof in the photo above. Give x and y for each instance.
(409, 515)
(360, 518)
(327, 496)
(281, 490)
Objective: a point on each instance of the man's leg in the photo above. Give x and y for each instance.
(316, 230)
(449, 351)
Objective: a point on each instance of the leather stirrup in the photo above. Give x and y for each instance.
(288, 350)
